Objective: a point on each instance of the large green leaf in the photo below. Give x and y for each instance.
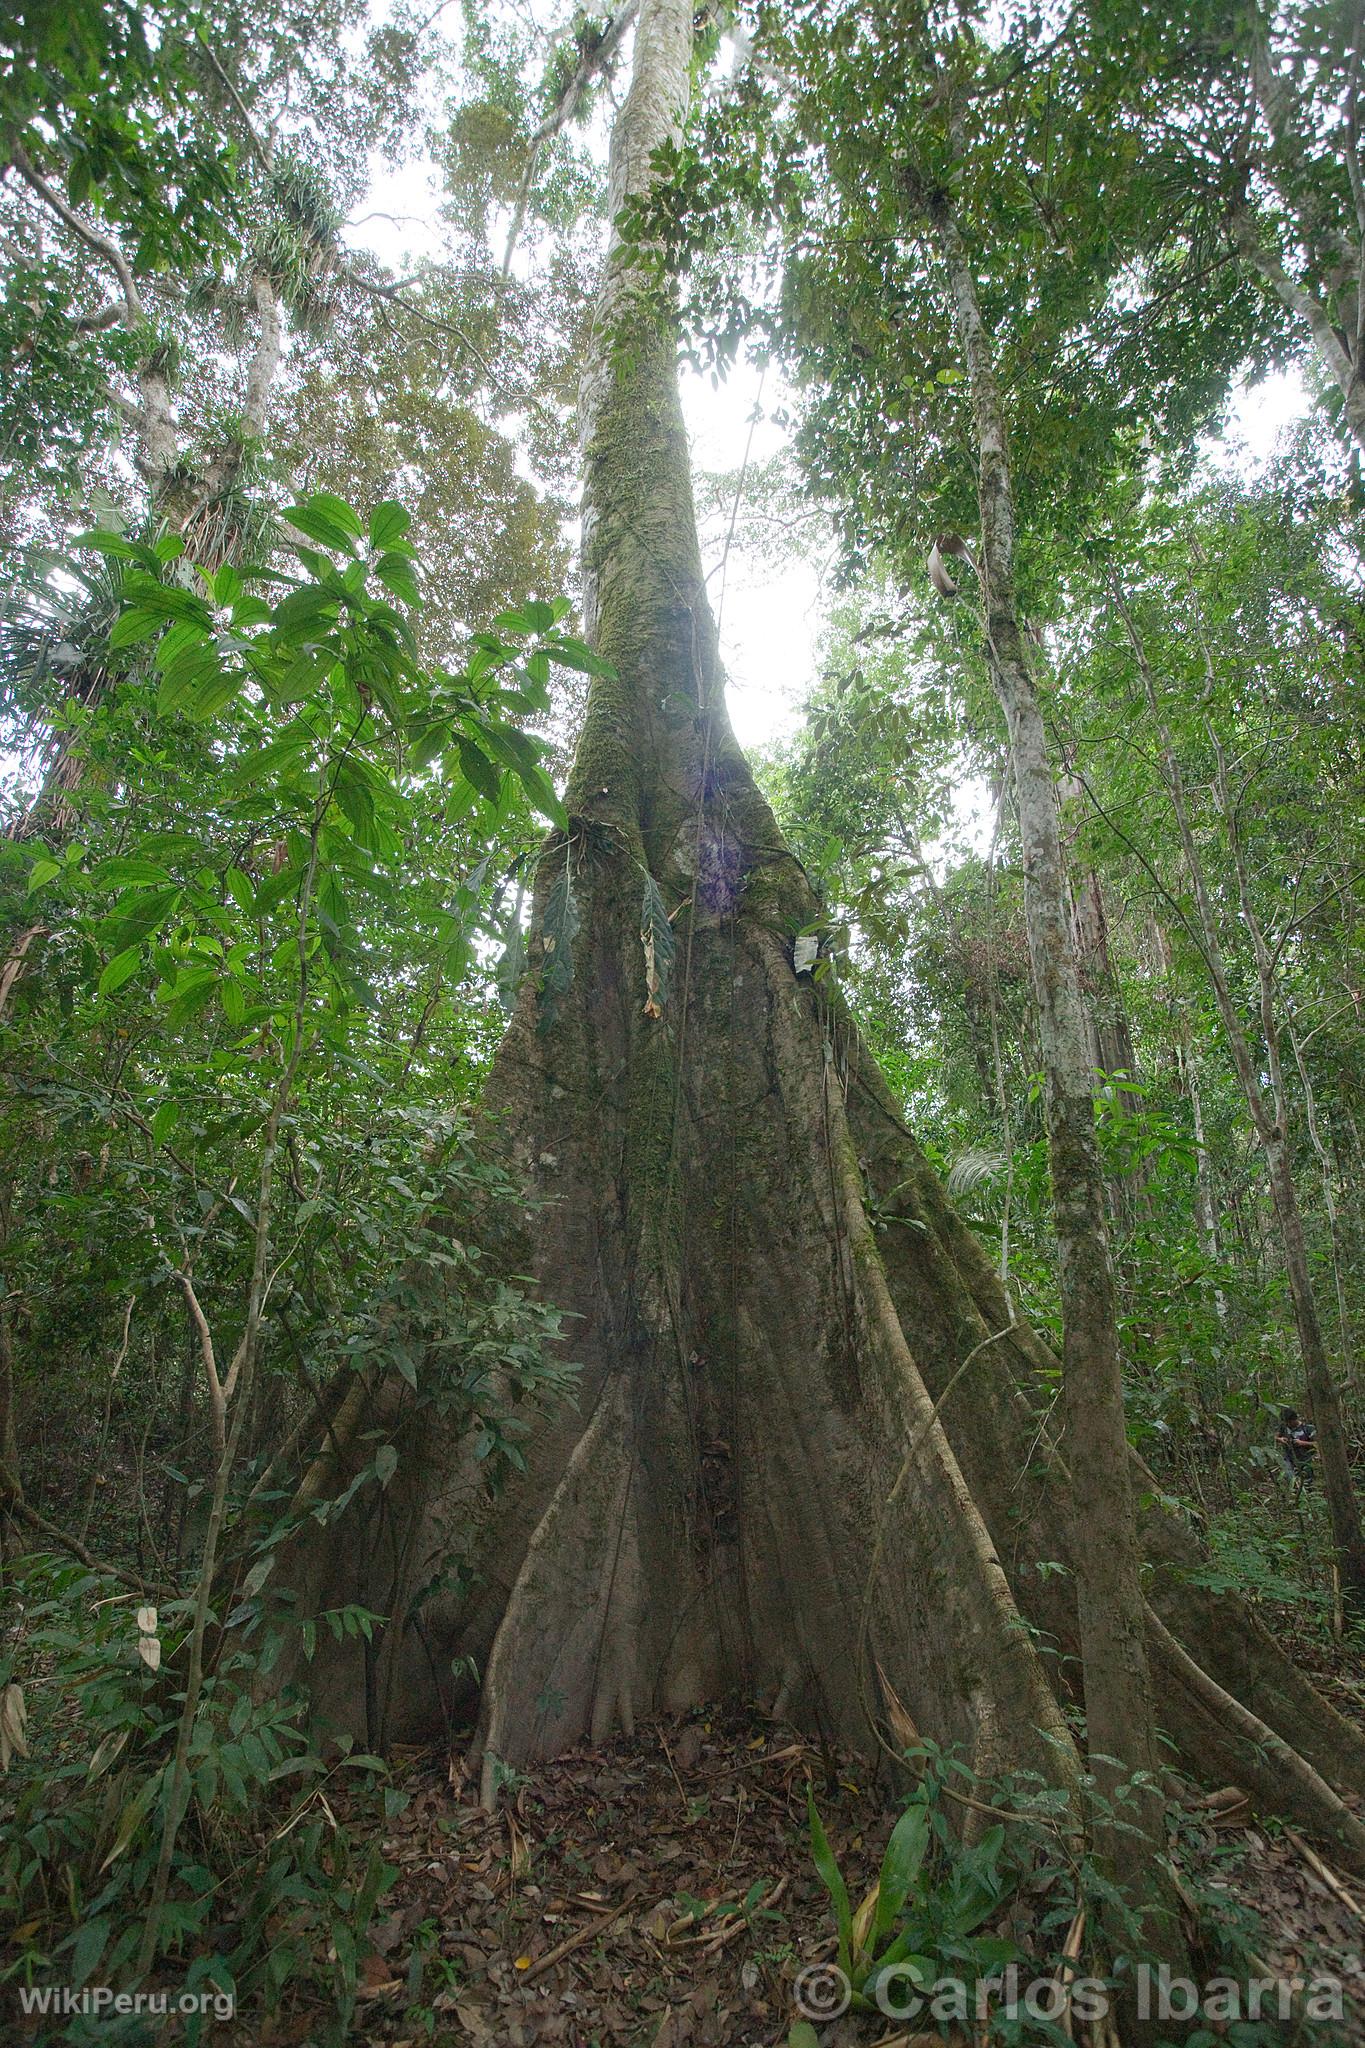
(121, 968)
(388, 524)
(901, 1866)
(832, 1878)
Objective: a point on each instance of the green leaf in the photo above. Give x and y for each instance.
(385, 1463)
(138, 913)
(396, 574)
(318, 528)
(574, 654)
(900, 1957)
(165, 1121)
(89, 1946)
(304, 611)
(213, 692)
(388, 524)
(257, 1576)
(134, 625)
(479, 769)
(127, 870)
(831, 1877)
(194, 667)
(901, 1866)
(428, 741)
(241, 891)
(249, 770)
(44, 870)
(184, 635)
(110, 543)
(121, 968)
(333, 507)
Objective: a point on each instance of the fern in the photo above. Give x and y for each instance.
(512, 964)
(557, 935)
(970, 1171)
(656, 936)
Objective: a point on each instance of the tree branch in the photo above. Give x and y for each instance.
(12, 1502)
(217, 1398)
(565, 107)
(134, 312)
(95, 323)
(259, 149)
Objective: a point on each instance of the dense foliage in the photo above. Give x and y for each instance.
(287, 675)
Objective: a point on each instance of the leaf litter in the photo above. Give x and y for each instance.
(657, 1891)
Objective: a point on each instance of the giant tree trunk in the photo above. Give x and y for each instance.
(769, 1291)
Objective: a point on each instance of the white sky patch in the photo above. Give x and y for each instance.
(1258, 414)
(398, 220)
(770, 620)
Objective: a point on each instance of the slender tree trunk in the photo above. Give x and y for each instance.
(1269, 1118)
(1333, 236)
(1120, 1719)
(1336, 356)
(1187, 1070)
(1111, 1038)
(1329, 1202)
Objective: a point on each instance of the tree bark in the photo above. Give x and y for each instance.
(812, 1437)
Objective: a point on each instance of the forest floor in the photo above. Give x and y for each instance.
(660, 1890)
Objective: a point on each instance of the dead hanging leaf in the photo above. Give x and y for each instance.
(108, 1751)
(863, 1918)
(939, 575)
(804, 954)
(149, 1649)
(146, 1620)
(902, 1727)
(13, 1723)
(519, 1852)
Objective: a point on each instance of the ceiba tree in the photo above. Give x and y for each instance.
(812, 1459)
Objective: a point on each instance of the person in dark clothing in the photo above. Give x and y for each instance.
(1298, 1447)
